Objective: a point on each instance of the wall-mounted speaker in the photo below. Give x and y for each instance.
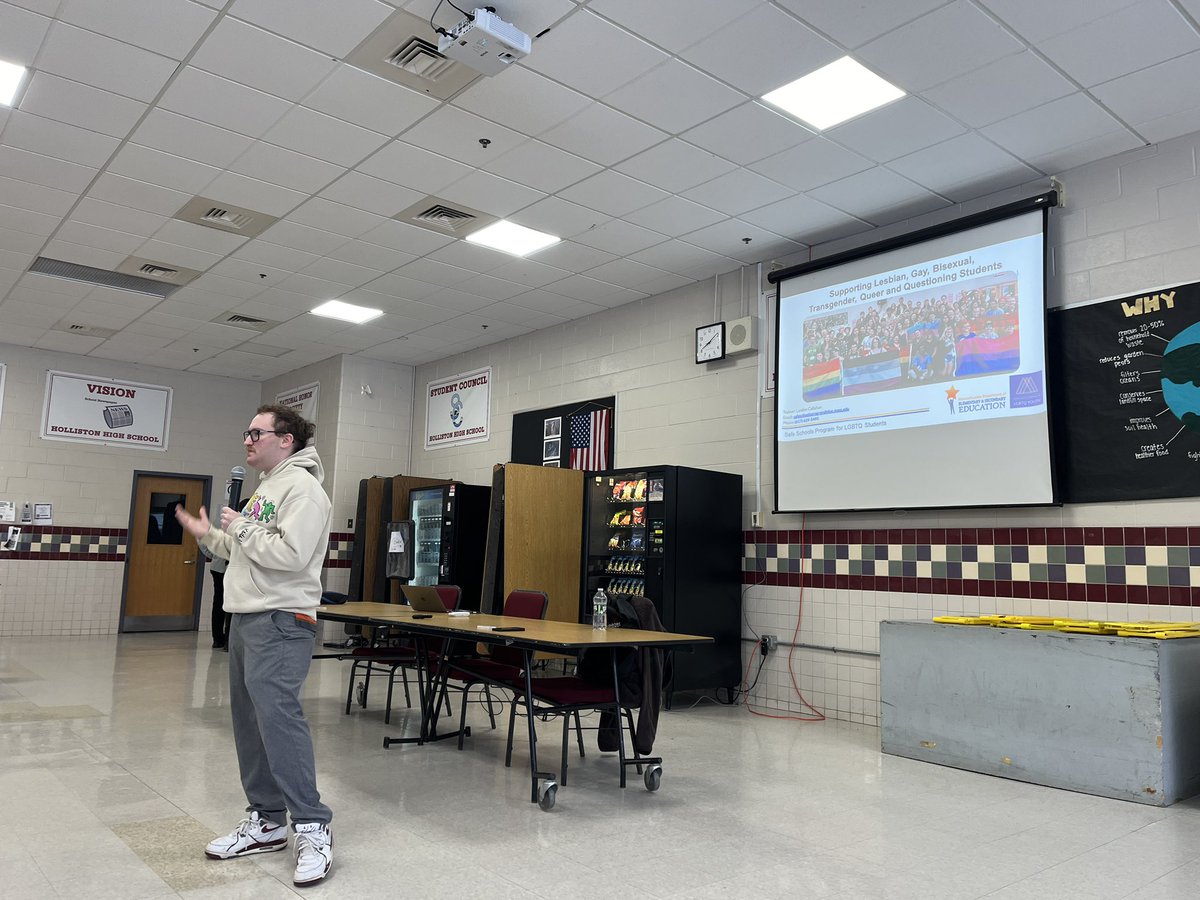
(741, 335)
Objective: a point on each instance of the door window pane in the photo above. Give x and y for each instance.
(163, 527)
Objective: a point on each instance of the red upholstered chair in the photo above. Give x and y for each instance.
(504, 666)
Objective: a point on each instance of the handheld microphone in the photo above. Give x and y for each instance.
(236, 476)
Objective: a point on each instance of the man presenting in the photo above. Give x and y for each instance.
(276, 549)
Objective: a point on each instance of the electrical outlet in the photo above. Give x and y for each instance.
(768, 643)
(350, 524)
(756, 519)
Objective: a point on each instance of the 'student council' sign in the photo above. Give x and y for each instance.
(95, 410)
(458, 409)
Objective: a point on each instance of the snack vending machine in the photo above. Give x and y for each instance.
(672, 534)
(450, 535)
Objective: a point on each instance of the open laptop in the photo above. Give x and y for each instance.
(423, 598)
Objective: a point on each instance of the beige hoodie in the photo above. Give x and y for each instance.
(277, 548)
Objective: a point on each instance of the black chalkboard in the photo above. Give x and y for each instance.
(1125, 378)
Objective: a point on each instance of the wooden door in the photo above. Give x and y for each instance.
(163, 570)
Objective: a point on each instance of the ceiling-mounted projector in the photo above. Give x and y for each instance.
(485, 42)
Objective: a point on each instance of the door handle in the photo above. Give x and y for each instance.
(189, 562)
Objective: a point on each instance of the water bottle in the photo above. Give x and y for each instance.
(600, 609)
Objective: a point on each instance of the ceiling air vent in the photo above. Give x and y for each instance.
(157, 270)
(94, 331)
(120, 281)
(152, 271)
(404, 50)
(224, 217)
(438, 215)
(422, 59)
(241, 320)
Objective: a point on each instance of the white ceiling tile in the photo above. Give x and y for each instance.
(37, 197)
(1052, 126)
(465, 255)
(1132, 38)
(68, 343)
(104, 63)
(324, 137)
(138, 195)
(619, 237)
(728, 238)
(853, 24)
(210, 240)
(571, 256)
(529, 273)
(121, 218)
(340, 272)
(1000, 89)
(556, 304)
(15, 219)
(737, 192)
(317, 288)
(78, 104)
(246, 263)
(1036, 20)
(21, 34)
(810, 164)
(361, 253)
(412, 167)
(613, 193)
(518, 315)
(224, 103)
(369, 101)
(336, 217)
(392, 287)
(491, 194)
(522, 100)
(748, 133)
(303, 237)
(177, 254)
(674, 216)
(874, 194)
(18, 262)
(896, 130)
(372, 194)
(156, 167)
(592, 290)
(457, 134)
(285, 168)
(629, 274)
(169, 27)
(56, 173)
(953, 168)
(229, 187)
(1153, 92)
(801, 218)
(85, 256)
(685, 259)
(189, 138)
(673, 24)
(946, 43)
(675, 166)
(541, 166)
(674, 97)
(1109, 144)
(261, 60)
(334, 29)
(458, 300)
(19, 241)
(581, 51)
(434, 272)
(559, 217)
(603, 135)
(762, 50)
(57, 139)
(406, 238)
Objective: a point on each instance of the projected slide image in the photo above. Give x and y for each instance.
(928, 336)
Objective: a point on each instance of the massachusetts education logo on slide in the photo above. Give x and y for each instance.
(1025, 390)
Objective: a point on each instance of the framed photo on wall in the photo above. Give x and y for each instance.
(552, 449)
(552, 428)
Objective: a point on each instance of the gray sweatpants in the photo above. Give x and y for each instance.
(269, 656)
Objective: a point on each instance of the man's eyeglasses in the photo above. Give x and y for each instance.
(256, 433)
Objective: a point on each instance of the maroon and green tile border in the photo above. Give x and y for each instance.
(887, 560)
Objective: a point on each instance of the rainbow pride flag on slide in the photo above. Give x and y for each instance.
(823, 380)
(985, 356)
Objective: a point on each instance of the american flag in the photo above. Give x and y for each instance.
(589, 440)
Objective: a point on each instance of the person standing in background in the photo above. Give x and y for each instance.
(276, 549)
(220, 619)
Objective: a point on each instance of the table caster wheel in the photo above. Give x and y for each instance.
(653, 777)
(547, 792)
(360, 694)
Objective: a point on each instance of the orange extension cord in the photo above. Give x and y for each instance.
(817, 715)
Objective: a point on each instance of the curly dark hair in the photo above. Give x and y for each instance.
(288, 421)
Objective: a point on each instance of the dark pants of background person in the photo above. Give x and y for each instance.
(220, 619)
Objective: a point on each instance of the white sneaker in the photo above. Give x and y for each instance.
(253, 835)
(314, 853)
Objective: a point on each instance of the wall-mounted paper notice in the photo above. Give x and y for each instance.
(43, 514)
(8, 511)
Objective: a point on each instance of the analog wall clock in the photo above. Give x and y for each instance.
(710, 342)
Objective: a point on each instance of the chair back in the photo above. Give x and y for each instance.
(526, 604)
(450, 594)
